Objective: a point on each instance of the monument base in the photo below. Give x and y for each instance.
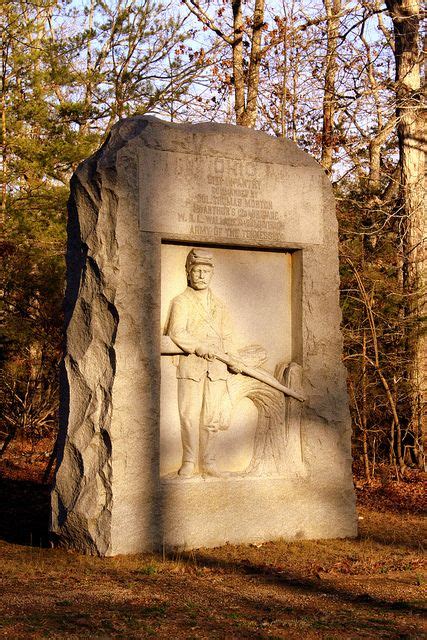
(211, 512)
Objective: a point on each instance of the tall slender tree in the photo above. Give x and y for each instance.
(244, 36)
(405, 15)
(333, 9)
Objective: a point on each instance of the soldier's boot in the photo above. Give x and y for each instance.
(208, 454)
(187, 469)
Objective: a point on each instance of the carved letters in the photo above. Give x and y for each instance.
(227, 200)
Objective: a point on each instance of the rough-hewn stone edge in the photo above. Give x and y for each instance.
(80, 518)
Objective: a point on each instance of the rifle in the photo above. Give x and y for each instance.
(169, 348)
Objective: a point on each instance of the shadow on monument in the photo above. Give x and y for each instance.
(24, 512)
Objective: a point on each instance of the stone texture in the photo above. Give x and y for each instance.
(108, 496)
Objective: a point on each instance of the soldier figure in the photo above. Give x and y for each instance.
(199, 325)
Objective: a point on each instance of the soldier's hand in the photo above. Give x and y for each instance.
(204, 352)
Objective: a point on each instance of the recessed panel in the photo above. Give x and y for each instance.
(253, 288)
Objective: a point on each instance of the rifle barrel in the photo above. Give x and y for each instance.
(169, 348)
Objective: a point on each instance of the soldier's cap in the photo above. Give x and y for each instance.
(198, 256)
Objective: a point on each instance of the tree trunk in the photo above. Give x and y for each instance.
(249, 119)
(238, 73)
(333, 8)
(295, 92)
(375, 153)
(246, 86)
(364, 412)
(284, 92)
(4, 155)
(405, 15)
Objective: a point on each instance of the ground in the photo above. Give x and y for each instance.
(370, 587)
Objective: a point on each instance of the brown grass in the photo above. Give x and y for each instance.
(371, 587)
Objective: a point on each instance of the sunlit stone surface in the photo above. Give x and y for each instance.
(260, 213)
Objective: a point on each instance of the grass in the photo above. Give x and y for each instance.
(370, 587)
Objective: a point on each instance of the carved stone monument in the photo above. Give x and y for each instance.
(203, 394)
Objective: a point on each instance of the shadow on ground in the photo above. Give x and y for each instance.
(242, 593)
(304, 584)
(24, 512)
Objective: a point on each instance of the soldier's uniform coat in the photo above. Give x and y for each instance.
(201, 383)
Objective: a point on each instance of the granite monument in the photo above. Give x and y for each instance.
(203, 394)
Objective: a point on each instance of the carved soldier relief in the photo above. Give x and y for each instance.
(225, 407)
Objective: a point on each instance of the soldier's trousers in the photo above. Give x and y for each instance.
(199, 404)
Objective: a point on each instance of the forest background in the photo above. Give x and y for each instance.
(343, 79)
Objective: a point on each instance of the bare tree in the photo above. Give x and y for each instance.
(405, 15)
(333, 9)
(245, 33)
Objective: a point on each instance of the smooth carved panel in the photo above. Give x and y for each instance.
(229, 200)
(250, 284)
